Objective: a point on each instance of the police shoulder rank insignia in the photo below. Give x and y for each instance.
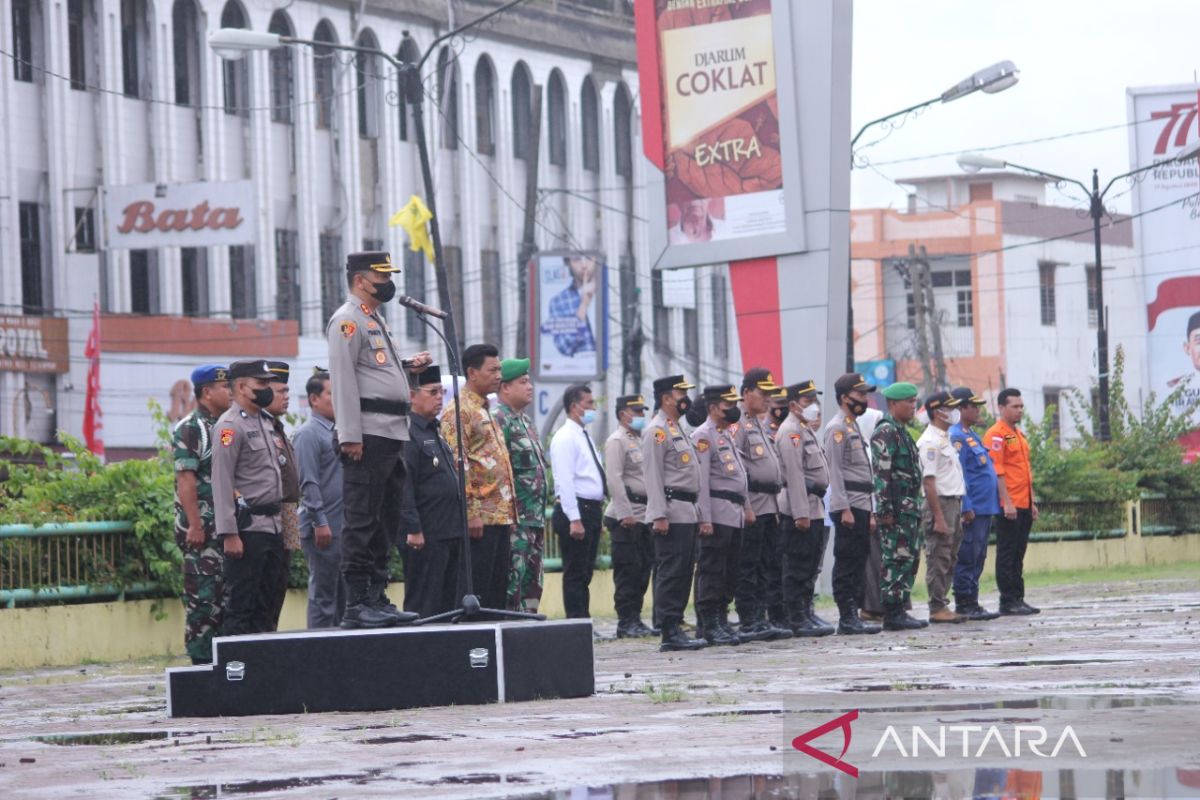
(347, 328)
(226, 437)
(702, 445)
(796, 439)
(838, 436)
(380, 357)
(363, 308)
(660, 436)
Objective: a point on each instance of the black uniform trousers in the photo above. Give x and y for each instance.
(250, 584)
(717, 568)
(1012, 537)
(578, 555)
(371, 491)
(490, 563)
(632, 563)
(803, 552)
(760, 572)
(431, 576)
(851, 546)
(674, 553)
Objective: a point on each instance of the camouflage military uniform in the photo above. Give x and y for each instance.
(532, 498)
(897, 495)
(203, 568)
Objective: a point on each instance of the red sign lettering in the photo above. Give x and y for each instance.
(141, 217)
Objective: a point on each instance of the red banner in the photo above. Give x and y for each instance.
(93, 418)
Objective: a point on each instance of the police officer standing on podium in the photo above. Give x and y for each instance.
(371, 404)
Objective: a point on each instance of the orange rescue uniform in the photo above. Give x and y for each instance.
(1010, 456)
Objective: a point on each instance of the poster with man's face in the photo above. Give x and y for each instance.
(569, 338)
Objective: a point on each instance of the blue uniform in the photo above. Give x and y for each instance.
(983, 498)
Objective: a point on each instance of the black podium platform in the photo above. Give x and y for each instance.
(388, 668)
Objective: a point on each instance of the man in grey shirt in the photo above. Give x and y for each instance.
(321, 513)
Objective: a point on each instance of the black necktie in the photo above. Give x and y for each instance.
(596, 460)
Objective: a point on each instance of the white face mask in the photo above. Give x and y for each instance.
(953, 416)
(811, 413)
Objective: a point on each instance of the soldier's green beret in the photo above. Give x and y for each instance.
(513, 368)
(900, 391)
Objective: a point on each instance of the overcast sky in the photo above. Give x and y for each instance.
(1076, 57)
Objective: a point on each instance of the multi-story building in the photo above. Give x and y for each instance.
(1013, 283)
(112, 110)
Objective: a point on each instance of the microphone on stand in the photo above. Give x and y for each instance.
(419, 307)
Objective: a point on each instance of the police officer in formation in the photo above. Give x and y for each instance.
(672, 476)
(806, 474)
(759, 596)
(981, 504)
(371, 404)
(724, 510)
(898, 505)
(625, 517)
(289, 515)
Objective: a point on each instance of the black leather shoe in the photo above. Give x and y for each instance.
(1011, 610)
(377, 598)
(674, 639)
(851, 625)
(627, 629)
(757, 631)
(806, 629)
(776, 630)
(1028, 609)
(362, 615)
(978, 613)
(812, 615)
(713, 633)
(644, 630)
(895, 619)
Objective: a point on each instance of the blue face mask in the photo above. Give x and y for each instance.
(637, 423)
(589, 417)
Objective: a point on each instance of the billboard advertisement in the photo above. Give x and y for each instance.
(716, 128)
(569, 307)
(199, 214)
(1163, 121)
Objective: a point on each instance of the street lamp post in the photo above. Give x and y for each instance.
(989, 80)
(973, 162)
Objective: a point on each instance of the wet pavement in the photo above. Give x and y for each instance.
(940, 713)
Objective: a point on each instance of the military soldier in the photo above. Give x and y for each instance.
(980, 504)
(802, 506)
(898, 504)
(725, 505)
(203, 561)
(941, 517)
(632, 542)
(531, 476)
(248, 497)
(432, 507)
(371, 402)
(672, 476)
(289, 517)
(761, 552)
(851, 486)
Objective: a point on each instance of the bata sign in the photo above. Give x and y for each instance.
(33, 344)
(179, 215)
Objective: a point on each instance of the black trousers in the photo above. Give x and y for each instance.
(772, 560)
(250, 584)
(717, 568)
(632, 563)
(371, 491)
(431, 576)
(490, 557)
(674, 561)
(760, 567)
(1012, 538)
(851, 546)
(803, 553)
(578, 555)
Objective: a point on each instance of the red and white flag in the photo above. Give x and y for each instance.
(93, 418)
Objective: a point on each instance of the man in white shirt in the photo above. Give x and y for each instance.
(941, 515)
(579, 510)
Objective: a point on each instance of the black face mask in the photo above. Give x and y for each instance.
(779, 414)
(383, 292)
(732, 415)
(858, 408)
(263, 397)
(683, 404)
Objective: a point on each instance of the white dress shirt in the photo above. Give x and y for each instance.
(575, 472)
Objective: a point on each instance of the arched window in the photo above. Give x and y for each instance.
(323, 74)
(589, 123)
(522, 109)
(623, 132)
(408, 52)
(368, 70)
(135, 48)
(485, 107)
(185, 35)
(448, 99)
(283, 71)
(557, 107)
(236, 73)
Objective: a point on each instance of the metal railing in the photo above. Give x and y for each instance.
(1059, 521)
(1161, 516)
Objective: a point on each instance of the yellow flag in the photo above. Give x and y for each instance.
(413, 218)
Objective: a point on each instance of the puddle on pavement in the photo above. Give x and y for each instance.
(214, 790)
(585, 734)
(408, 738)
(477, 778)
(106, 738)
(740, 712)
(1049, 703)
(1045, 662)
(898, 687)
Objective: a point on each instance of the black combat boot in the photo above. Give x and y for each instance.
(627, 628)
(643, 630)
(675, 639)
(895, 618)
(754, 626)
(712, 632)
(969, 607)
(850, 625)
(360, 613)
(377, 598)
(811, 609)
(1028, 609)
